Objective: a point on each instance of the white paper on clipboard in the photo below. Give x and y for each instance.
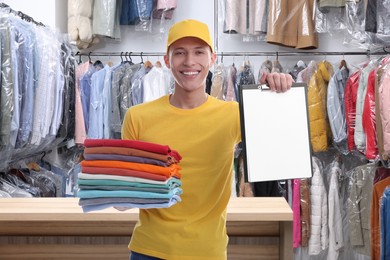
(275, 133)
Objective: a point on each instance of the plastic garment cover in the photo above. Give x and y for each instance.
(384, 105)
(246, 17)
(265, 67)
(350, 96)
(305, 75)
(19, 180)
(67, 126)
(145, 8)
(80, 23)
(164, 9)
(157, 83)
(319, 239)
(106, 14)
(7, 89)
(330, 16)
(298, 67)
(292, 23)
(335, 104)
(47, 184)
(4, 194)
(361, 187)
(217, 87)
(305, 211)
(355, 24)
(231, 84)
(49, 85)
(245, 75)
(21, 43)
(13, 191)
(336, 240)
(320, 132)
(360, 137)
(380, 186)
(369, 117)
(383, 22)
(137, 89)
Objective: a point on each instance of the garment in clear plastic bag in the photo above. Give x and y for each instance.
(218, 81)
(106, 15)
(336, 107)
(145, 8)
(330, 16)
(13, 191)
(320, 133)
(355, 25)
(164, 9)
(292, 24)
(80, 23)
(20, 180)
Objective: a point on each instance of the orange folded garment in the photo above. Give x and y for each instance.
(170, 171)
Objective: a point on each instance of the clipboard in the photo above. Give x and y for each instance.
(275, 133)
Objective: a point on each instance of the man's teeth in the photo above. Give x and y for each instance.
(190, 73)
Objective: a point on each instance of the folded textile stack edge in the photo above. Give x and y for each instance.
(128, 174)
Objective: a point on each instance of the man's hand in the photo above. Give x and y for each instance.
(278, 82)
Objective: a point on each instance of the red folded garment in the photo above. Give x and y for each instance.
(141, 145)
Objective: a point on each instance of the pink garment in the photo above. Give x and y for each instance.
(164, 9)
(369, 117)
(384, 105)
(231, 82)
(79, 132)
(296, 207)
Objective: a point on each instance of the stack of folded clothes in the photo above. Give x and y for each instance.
(128, 174)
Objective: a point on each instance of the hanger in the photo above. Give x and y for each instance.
(109, 62)
(79, 61)
(158, 64)
(89, 57)
(343, 64)
(147, 64)
(131, 60)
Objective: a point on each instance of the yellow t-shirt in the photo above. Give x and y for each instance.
(205, 137)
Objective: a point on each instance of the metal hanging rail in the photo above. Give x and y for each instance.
(22, 15)
(227, 54)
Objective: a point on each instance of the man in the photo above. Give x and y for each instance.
(204, 130)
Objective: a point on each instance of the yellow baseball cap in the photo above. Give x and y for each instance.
(189, 28)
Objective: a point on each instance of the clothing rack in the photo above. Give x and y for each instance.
(226, 54)
(22, 15)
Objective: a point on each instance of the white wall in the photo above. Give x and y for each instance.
(52, 13)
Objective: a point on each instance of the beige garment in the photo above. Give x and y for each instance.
(291, 23)
(257, 17)
(378, 118)
(217, 82)
(235, 13)
(305, 212)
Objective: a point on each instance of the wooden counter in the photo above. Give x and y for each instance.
(56, 228)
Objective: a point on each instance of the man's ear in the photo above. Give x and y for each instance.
(213, 58)
(166, 60)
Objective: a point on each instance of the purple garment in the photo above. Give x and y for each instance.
(126, 158)
(381, 173)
